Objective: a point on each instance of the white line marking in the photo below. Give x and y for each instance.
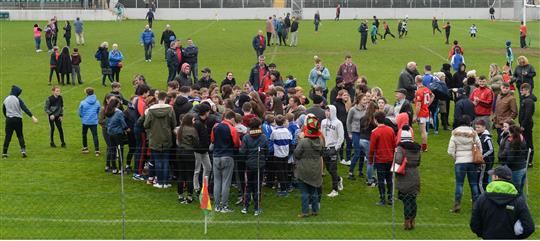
(433, 52)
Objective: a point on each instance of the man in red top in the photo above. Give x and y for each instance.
(522, 35)
(482, 98)
(259, 44)
(453, 49)
(381, 152)
(422, 100)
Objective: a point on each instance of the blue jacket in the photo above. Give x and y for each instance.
(255, 42)
(115, 57)
(428, 78)
(89, 110)
(250, 148)
(116, 124)
(223, 141)
(315, 79)
(147, 37)
(267, 131)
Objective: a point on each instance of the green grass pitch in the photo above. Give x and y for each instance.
(62, 194)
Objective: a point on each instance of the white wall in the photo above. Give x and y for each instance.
(261, 13)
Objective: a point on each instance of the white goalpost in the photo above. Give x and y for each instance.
(529, 4)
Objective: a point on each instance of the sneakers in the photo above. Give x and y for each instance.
(97, 153)
(381, 202)
(23, 152)
(343, 162)
(183, 200)
(63, 145)
(114, 171)
(157, 185)
(53, 145)
(351, 177)
(340, 184)
(239, 201)
(4, 156)
(84, 150)
(283, 194)
(217, 209)
(168, 186)
(226, 210)
(334, 193)
(244, 210)
(128, 169)
(257, 212)
(38, 50)
(137, 177)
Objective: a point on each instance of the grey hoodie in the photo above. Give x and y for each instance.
(332, 129)
(353, 118)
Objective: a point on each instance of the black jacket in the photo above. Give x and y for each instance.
(457, 79)
(250, 148)
(190, 54)
(166, 38)
(363, 29)
(172, 59)
(181, 106)
(67, 34)
(526, 111)
(63, 65)
(204, 83)
(254, 77)
(204, 137)
(294, 26)
(495, 213)
(406, 81)
(227, 82)
(464, 106)
(104, 59)
(515, 159)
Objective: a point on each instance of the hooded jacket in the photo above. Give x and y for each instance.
(13, 106)
(204, 136)
(159, 122)
(485, 101)
(189, 139)
(115, 57)
(250, 148)
(463, 106)
(488, 152)
(332, 130)
(409, 183)
(497, 210)
(147, 37)
(89, 110)
(528, 78)
(181, 106)
(401, 120)
(526, 111)
(461, 142)
(353, 118)
(308, 161)
(64, 62)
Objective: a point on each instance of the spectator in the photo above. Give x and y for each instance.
(500, 212)
(522, 35)
(526, 113)
(54, 107)
(482, 99)
(102, 55)
(319, 76)
(332, 131)
(37, 37)
(116, 129)
(408, 184)
(150, 17)
(67, 33)
(201, 151)
(115, 61)
(64, 65)
(524, 73)
(343, 104)
(349, 72)
(229, 80)
(294, 32)
(76, 60)
(309, 166)
(167, 37)
(225, 140)
(460, 148)
(381, 153)
(79, 33)
(147, 40)
(13, 106)
(259, 44)
(187, 141)
(463, 106)
(53, 65)
(406, 80)
(447, 27)
(190, 54)
(363, 29)
(457, 60)
(172, 61)
(488, 153)
(88, 111)
(258, 73)
(505, 108)
(159, 121)
(206, 80)
(514, 155)
(353, 129)
(317, 21)
(281, 139)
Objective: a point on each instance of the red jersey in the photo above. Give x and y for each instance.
(523, 30)
(423, 96)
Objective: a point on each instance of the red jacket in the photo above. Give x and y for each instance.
(485, 101)
(382, 145)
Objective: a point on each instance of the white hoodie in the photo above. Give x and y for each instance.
(332, 129)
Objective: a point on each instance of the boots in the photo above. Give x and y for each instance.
(407, 224)
(456, 208)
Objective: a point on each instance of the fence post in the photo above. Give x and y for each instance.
(121, 162)
(393, 204)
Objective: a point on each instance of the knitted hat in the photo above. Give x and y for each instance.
(311, 127)
(406, 134)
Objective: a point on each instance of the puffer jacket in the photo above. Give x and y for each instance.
(353, 118)
(159, 122)
(409, 183)
(461, 143)
(89, 110)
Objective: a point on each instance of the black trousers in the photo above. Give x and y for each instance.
(363, 41)
(172, 73)
(13, 124)
(115, 73)
(185, 170)
(58, 124)
(330, 161)
(268, 37)
(115, 141)
(409, 204)
(281, 171)
(527, 134)
(386, 32)
(253, 188)
(383, 173)
(65, 76)
(57, 75)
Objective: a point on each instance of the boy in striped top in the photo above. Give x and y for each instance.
(281, 139)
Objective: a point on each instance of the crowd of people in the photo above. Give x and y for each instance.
(272, 132)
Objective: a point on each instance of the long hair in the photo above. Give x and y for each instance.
(359, 98)
(187, 120)
(111, 106)
(368, 119)
(515, 133)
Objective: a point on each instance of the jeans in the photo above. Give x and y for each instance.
(53, 69)
(346, 153)
(194, 71)
(201, 159)
(259, 52)
(161, 159)
(357, 153)
(522, 42)
(76, 72)
(254, 188)
(140, 149)
(147, 51)
(434, 114)
(316, 27)
(409, 204)
(330, 161)
(384, 173)
(93, 129)
(309, 195)
(518, 178)
(223, 170)
(58, 124)
(49, 43)
(13, 124)
(38, 42)
(471, 170)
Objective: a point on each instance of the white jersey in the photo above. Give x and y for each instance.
(473, 30)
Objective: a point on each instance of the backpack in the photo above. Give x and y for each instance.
(98, 55)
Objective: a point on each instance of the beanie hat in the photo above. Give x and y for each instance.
(406, 134)
(311, 127)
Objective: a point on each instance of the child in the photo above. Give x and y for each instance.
(281, 138)
(247, 108)
(488, 152)
(373, 33)
(54, 106)
(294, 129)
(254, 146)
(506, 75)
(48, 37)
(240, 164)
(37, 37)
(267, 128)
(473, 30)
(187, 140)
(52, 65)
(88, 111)
(509, 53)
(333, 133)
(457, 59)
(130, 115)
(75, 66)
(13, 107)
(116, 87)
(387, 31)
(289, 83)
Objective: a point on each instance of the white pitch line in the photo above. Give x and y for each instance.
(433, 52)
